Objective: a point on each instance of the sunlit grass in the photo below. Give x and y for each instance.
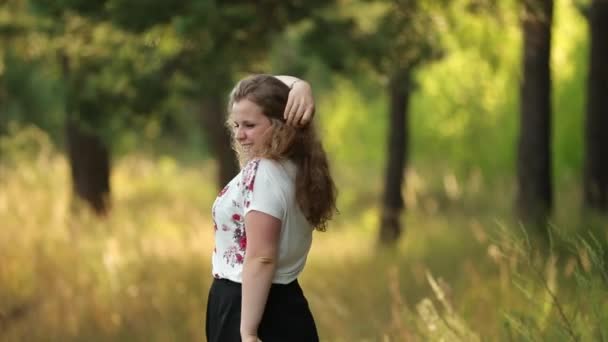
(142, 274)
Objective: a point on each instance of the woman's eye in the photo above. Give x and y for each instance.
(249, 125)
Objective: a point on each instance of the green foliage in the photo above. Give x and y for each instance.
(464, 109)
(106, 79)
(350, 120)
(28, 90)
(29, 95)
(469, 95)
(134, 66)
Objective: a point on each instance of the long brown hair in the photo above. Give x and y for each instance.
(315, 189)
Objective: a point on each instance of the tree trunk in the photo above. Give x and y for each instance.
(595, 183)
(218, 138)
(535, 197)
(90, 167)
(392, 201)
(88, 156)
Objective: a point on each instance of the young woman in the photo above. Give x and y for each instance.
(264, 218)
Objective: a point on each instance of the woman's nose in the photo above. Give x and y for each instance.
(239, 134)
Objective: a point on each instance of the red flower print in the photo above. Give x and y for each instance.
(243, 243)
(239, 258)
(249, 176)
(236, 217)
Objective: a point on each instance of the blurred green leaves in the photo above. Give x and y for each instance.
(131, 65)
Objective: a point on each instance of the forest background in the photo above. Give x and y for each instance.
(467, 139)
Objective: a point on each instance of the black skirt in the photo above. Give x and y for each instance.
(287, 317)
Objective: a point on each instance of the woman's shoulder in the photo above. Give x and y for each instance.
(265, 164)
(268, 167)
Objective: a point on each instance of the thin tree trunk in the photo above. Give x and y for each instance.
(218, 138)
(397, 149)
(595, 181)
(90, 167)
(535, 197)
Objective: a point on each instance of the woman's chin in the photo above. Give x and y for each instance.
(245, 156)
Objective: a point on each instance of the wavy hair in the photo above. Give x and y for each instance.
(315, 189)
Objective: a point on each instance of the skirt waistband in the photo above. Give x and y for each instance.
(231, 283)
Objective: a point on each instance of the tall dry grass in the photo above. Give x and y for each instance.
(463, 272)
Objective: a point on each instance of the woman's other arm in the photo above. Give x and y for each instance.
(300, 106)
(263, 232)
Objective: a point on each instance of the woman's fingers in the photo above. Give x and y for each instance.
(295, 115)
(300, 107)
(288, 108)
(301, 114)
(307, 115)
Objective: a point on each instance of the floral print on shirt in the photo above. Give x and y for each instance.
(234, 254)
(248, 181)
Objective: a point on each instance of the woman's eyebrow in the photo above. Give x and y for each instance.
(243, 122)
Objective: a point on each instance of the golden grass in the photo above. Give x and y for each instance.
(142, 274)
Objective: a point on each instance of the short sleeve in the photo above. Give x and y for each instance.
(261, 188)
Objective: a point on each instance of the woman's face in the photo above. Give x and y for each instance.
(249, 125)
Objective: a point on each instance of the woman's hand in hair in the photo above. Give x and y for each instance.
(300, 107)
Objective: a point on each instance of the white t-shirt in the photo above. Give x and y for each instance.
(266, 186)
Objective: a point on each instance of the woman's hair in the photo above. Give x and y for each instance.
(315, 189)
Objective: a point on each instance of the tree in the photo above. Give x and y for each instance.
(218, 41)
(104, 71)
(406, 38)
(19, 31)
(400, 89)
(89, 167)
(534, 178)
(595, 182)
